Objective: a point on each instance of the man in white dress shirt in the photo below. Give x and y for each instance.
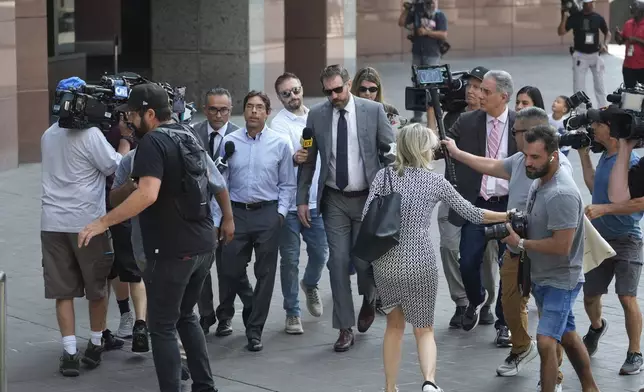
(290, 121)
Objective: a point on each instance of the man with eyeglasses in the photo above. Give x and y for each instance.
(290, 121)
(347, 131)
(211, 132)
(512, 169)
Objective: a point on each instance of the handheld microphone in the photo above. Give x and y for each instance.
(222, 162)
(307, 137)
(387, 152)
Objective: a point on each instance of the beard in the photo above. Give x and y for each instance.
(538, 172)
(294, 104)
(139, 132)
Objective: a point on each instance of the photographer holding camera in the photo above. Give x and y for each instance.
(624, 235)
(587, 49)
(428, 26)
(75, 165)
(513, 170)
(554, 245)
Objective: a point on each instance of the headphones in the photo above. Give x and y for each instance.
(551, 158)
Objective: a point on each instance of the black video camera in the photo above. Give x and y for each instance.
(579, 133)
(518, 222)
(627, 117)
(570, 6)
(418, 9)
(450, 85)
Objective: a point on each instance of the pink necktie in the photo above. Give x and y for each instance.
(493, 142)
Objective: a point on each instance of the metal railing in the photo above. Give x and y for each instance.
(3, 332)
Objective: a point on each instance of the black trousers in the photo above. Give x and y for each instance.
(632, 76)
(257, 230)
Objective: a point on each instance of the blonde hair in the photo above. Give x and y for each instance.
(415, 145)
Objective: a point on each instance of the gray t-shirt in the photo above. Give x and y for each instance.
(520, 183)
(75, 166)
(557, 205)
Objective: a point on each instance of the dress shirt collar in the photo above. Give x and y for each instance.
(292, 116)
(221, 131)
(351, 106)
(258, 136)
(502, 118)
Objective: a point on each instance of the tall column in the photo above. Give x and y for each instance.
(202, 44)
(319, 33)
(32, 68)
(8, 87)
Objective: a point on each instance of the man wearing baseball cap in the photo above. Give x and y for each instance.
(178, 244)
(587, 48)
(450, 235)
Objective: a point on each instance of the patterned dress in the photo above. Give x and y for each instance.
(407, 275)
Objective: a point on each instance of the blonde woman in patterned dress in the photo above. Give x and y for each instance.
(407, 275)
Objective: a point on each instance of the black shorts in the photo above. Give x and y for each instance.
(124, 263)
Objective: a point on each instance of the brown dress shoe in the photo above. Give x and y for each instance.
(345, 341)
(366, 316)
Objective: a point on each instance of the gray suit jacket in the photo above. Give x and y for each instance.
(202, 131)
(373, 128)
(470, 134)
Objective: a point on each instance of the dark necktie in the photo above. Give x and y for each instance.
(211, 145)
(342, 153)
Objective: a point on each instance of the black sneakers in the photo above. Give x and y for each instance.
(111, 342)
(591, 340)
(457, 319)
(93, 354)
(140, 341)
(69, 365)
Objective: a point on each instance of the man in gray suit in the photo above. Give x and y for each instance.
(211, 132)
(347, 131)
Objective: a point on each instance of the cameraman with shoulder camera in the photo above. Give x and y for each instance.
(587, 49)
(632, 35)
(554, 245)
(428, 26)
(75, 166)
(624, 235)
(514, 303)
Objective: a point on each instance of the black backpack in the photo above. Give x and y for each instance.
(193, 200)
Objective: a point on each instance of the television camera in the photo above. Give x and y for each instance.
(579, 133)
(435, 86)
(95, 104)
(570, 6)
(627, 118)
(417, 9)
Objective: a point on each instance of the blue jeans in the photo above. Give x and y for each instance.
(317, 249)
(555, 309)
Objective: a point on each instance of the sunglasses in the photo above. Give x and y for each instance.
(337, 90)
(515, 131)
(364, 89)
(294, 91)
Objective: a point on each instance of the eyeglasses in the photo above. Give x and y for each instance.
(294, 91)
(214, 110)
(372, 89)
(337, 90)
(515, 131)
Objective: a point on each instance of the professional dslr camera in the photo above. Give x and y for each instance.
(627, 117)
(417, 9)
(95, 104)
(450, 85)
(579, 134)
(518, 222)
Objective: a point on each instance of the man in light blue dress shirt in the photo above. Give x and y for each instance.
(262, 186)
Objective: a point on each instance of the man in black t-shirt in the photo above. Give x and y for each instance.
(588, 47)
(427, 39)
(179, 251)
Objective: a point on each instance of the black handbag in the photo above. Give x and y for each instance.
(380, 229)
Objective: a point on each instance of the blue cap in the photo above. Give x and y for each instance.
(70, 83)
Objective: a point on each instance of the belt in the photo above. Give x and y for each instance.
(349, 193)
(495, 199)
(253, 206)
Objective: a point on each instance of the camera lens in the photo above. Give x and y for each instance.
(496, 232)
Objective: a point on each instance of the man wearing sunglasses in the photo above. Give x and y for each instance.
(290, 122)
(347, 131)
(512, 169)
(211, 132)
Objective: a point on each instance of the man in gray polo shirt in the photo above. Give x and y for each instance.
(514, 303)
(555, 246)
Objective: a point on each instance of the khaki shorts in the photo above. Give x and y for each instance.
(73, 272)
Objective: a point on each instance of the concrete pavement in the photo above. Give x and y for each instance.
(466, 361)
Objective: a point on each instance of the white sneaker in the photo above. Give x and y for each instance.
(515, 362)
(313, 300)
(125, 326)
(427, 387)
(558, 387)
(293, 325)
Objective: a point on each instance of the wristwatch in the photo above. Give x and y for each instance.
(521, 244)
